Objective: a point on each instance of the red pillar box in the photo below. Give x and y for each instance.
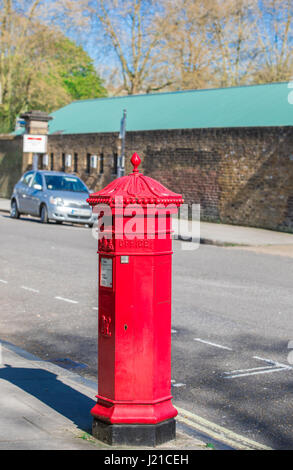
(134, 344)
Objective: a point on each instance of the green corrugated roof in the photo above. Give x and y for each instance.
(246, 106)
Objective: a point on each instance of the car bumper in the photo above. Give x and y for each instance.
(68, 214)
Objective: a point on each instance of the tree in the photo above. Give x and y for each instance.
(39, 67)
(77, 71)
(234, 49)
(14, 34)
(222, 43)
(132, 34)
(186, 45)
(275, 41)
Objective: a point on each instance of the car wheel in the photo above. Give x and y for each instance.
(44, 215)
(59, 222)
(14, 213)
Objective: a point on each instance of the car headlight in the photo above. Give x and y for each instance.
(58, 201)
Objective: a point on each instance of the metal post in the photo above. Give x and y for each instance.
(35, 161)
(121, 158)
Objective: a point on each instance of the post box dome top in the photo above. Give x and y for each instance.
(135, 188)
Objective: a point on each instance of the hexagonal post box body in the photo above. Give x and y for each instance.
(134, 340)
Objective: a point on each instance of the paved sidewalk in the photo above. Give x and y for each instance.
(225, 235)
(4, 205)
(46, 407)
(219, 234)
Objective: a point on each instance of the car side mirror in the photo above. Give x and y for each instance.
(38, 187)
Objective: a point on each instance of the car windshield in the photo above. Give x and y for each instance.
(65, 183)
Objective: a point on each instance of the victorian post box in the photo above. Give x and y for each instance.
(134, 339)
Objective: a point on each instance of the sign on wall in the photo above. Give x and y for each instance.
(68, 159)
(94, 160)
(35, 143)
(46, 160)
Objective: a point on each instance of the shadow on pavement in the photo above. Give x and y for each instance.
(45, 386)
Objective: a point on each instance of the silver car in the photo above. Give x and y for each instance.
(52, 195)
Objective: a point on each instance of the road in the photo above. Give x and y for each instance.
(232, 321)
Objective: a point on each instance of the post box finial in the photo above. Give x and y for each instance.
(136, 161)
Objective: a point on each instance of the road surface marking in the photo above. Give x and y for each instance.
(173, 331)
(30, 289)
(66, 300)
(273, 367)
(275, 363)
(270, 361)
(95, 308)
(213, 344)
(178, 385)
(249, 370)
(254, 368)
(4, 282)
(219, 433)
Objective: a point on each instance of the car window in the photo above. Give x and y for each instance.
(38, 179)
(65, 183)
(27, 178)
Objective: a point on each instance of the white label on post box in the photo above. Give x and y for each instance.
(106, 272)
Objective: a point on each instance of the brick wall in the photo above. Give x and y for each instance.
(239, 176)
(102, 145)
(10, 163)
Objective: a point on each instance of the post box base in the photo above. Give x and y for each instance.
(149, 435)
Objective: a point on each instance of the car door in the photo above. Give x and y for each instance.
(23, 192)
(34, 194)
